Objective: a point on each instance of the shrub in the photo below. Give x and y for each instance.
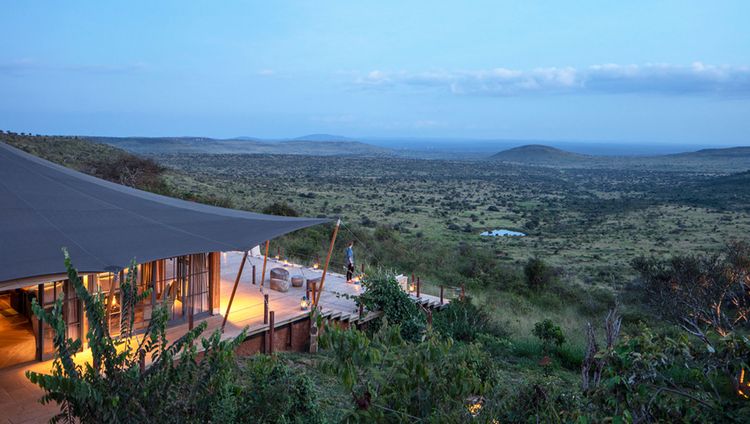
(550, 335)
(394, 381)
(280, 208)
(462, 320)
(538, 274)
(383, 293)
(272, 393)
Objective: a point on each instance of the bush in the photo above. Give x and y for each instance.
(462, 320)
(383, 293)
(280, 209)
(272, 393)
(538, 274)
(394, 381)
(550, 335)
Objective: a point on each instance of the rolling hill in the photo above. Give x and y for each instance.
(538, 154)
(723, 161)
(244, 145)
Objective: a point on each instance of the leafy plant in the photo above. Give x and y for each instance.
(538, 274)
(383, 293)
(462, 320)
(394, 381)
(550, 335)
(180, 385)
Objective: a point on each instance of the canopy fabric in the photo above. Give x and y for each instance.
(45, 207)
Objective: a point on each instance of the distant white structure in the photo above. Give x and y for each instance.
(502, 233)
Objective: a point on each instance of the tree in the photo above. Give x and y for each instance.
(700, 292)
(538, 274)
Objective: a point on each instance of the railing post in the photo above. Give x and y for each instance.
(265, 309)
(361, 310)
(253, 274)
(441, 294)
(270, 331)
(419, 286)
(463, 291)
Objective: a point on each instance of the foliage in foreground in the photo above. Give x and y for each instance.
(181, 385)
(383, 293)
(391, 380)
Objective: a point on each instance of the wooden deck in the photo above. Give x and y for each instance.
(19, 398)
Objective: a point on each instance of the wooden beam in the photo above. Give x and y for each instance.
(265, 259)
(234, 290)
(328, 260)
(271, 329)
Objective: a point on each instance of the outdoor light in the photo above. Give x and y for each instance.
(743, 387)
(412, 287)
(316, 265)
(474, 405)
(304, 303)
(276, 257)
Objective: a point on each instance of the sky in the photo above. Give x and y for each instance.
(634, 71)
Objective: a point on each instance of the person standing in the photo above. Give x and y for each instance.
(349, 254)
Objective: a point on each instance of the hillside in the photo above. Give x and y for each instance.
(245, 145)
(730, 152)
(538, 154)
(711, 161)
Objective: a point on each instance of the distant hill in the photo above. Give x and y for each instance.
(730, 152)
(538, 154)
(726, 160)
(323, 137)
(245, 145)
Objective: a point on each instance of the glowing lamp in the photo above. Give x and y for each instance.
(316, 265)
(474, 405)
(304, 303)
(743, 387)
(412, 287)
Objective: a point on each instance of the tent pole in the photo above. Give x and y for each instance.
(328, 260)
(234, 290)
(265, 259)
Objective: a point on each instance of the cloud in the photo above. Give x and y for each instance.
(695, 79)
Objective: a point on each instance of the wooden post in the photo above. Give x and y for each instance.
(271, 331)
(328, 260)
(361, 310)
(419, 286)
(265, 259)
(441, 294)
(40, 327)
(253, 274)
(234, 290)
(412, 278)
(265, 309)
(362, 268)
(291, 335)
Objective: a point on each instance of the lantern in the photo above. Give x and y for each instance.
(316, 265)
(304, 303)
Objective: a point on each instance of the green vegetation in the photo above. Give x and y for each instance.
(654, 245)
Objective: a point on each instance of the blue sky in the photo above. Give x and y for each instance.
(635, 71)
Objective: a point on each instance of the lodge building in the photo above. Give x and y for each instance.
(104, 226)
